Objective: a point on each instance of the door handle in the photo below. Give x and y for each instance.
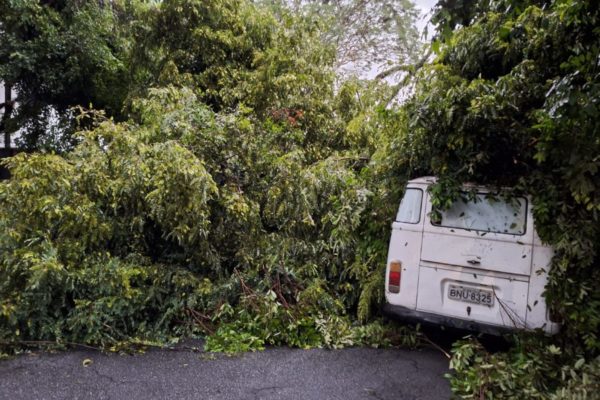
(474, 262)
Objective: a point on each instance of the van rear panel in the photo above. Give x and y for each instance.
(476, 296)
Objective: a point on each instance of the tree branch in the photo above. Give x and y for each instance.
(406, 68)
(7, 104)
(410, 68)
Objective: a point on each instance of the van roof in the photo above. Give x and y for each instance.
(424, 179)
(429, 180)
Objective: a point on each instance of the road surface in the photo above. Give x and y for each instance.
(278, 373)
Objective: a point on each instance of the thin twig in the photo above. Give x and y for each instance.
(277, 289)
(437, 346)
(201, 320)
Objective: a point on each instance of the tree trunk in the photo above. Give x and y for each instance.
(8, 108)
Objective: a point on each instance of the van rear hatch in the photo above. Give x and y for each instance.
(476, 260)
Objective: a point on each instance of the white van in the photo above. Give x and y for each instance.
(479, 265)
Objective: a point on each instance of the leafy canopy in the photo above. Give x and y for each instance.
(367, 35)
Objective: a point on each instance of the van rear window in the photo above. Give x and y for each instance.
(409, 211)
(487, 213)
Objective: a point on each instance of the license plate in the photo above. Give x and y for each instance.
(471, 295)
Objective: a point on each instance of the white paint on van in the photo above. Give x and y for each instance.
(511, 266)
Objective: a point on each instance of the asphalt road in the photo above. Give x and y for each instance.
(277, 373)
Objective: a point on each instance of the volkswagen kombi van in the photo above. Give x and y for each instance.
(478, 265)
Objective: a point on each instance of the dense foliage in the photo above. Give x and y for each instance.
(231, 188)
(188, 220)
(227, 195)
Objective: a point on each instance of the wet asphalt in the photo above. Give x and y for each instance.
(278, 373)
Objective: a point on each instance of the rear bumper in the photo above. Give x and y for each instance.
(409, 315)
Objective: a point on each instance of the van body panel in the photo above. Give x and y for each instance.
(537, 311)
(477, 271)
(464, 251)
(416, 316)
(509, 304)
(405, 246)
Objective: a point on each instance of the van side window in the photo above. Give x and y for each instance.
(486, 213)
(409, 211)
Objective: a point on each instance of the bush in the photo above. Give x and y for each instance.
(187, 222)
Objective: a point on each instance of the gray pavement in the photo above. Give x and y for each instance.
(278, 373)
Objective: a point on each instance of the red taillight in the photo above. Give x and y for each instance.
(394, 276)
